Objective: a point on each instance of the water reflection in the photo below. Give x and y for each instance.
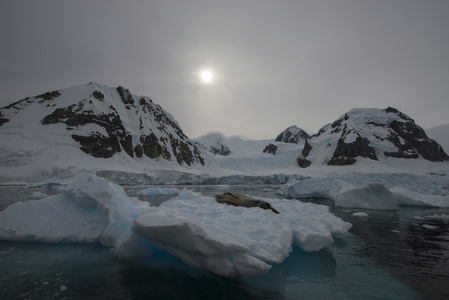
(413, 248)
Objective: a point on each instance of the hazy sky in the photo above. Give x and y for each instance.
(274, 63)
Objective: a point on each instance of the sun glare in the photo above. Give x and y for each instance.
(206, 76)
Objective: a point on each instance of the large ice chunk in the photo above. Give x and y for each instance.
(90, 209)
(407, 197)
(370, 191)
(230, 240)
(371, 196)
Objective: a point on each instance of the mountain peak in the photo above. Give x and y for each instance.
(103, 121)
(292, 134)
(373, 134)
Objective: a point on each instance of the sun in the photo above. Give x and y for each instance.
(206, 76)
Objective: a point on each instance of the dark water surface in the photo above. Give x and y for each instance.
(388, 255)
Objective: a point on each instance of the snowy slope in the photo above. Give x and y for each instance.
(247, 157)
(90, 126)
(441, 135)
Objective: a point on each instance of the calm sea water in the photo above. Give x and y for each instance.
(389, 255)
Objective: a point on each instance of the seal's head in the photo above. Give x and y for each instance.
(264, 205)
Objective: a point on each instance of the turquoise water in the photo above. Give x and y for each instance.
(386, 256)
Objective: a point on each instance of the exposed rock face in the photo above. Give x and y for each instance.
(292, 134)
(2, 119)
(271, 149)
(105, 121)
(372, 134)
(10, 110)
(220, 150)
(302, 161)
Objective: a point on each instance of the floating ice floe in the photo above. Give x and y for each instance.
(360, 214)
(442, 217)
(222, 239)
(372, 191)
(431, 227)
(90, 209)
(407, 197)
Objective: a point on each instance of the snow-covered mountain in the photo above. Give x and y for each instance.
(101, 121)
(214, 143)
(374, 134)
(441, 135)
(219, 144)
(98, 128)
(292, 134)
(248, 156)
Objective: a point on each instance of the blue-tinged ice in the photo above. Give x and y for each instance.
(222, 239)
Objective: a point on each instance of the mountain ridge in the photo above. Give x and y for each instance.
(373, 134)
(96, 127)
(104, 121)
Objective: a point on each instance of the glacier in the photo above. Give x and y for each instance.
(222, 239)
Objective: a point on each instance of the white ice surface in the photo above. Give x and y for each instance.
(406, 197)
(373, 191)
(230, 240)
(360, 214)
(371, 196)
(90, 209)
(223, 239)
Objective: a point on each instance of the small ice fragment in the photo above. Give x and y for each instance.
(24, 273)
(62, 288)
(427, 226)
(360, 214)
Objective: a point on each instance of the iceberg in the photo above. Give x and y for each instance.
(219, 238)
(373, 191)
(371, 196)
(229, 240)
(407, 197)
(89, 210)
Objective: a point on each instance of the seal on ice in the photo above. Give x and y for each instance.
(242, 200)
